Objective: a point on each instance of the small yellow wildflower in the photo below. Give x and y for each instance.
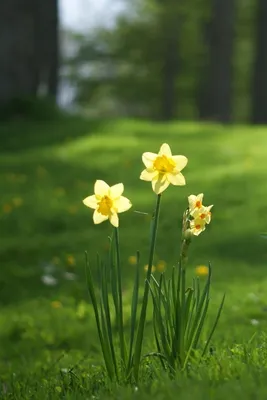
(11, 176)
(195, 202)
(70, 260)
(72, 209)
(7, 208)
(202, 270)
(56, 260)
(132, 260)
(163, 169)
(21, 178)
(56, 304)
(161, 266)
(107, 202)
(153, 269)
(17, 201)
(60, 191)
(41, 171)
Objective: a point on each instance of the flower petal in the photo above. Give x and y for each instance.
(98, 217)
(122, 204)
(159, 184)
(165, 150)
(116, 190)
(148, 159)
(177, 180)
(101, 188)
(192, 200)
(90, 201)
(114, 219)
(148, 175)
(180, 162)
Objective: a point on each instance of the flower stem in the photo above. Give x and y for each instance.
(141, 325)
(120, 316)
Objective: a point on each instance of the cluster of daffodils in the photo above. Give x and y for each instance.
(200, 215)
(161, 170)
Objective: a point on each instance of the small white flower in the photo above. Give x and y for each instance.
(254, 322)
(69, 276)
(49, 280)
(253, 297)
(64, 370)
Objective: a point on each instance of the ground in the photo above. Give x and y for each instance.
(49, 345)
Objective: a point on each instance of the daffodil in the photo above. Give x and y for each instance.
(195, 202)
(107, 202)
(163, 169)
(203, 213)
(197, 225)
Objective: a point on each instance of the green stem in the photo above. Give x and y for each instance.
(120, 316)
(141, 325)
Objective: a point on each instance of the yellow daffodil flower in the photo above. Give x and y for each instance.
(195, 202)
(203, 213)
(107, 202)
(197, 225)
(163, 169)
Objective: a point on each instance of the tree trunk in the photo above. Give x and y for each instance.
(17, 50)
(29, 49)
(215, 96)
(259, 83)
(170, 29)
(169, 75)
(51, 46)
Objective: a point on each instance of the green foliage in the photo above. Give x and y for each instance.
(179, 317)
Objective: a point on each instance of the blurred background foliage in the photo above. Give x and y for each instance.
(194, 59)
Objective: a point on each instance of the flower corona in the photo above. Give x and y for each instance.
(163, 169)
(107, 202)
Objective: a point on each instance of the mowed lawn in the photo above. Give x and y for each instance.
(47, 168)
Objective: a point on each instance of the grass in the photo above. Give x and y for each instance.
(49, 347)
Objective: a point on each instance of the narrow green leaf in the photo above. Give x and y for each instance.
(107, 351)
(214, 325)
(105, 299)
(142, 319)
(134, 306)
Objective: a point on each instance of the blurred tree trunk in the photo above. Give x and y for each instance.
(29, 48)
(259, 84)
(215, 95)
(170, 18)
(17, 49)
(48, 11)
(169, 76)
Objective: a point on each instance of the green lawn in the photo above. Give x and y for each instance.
(46, 169)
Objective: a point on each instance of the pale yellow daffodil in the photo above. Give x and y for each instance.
(203, 213)
(197, 225)
(195, 202)
(107, 202)
(163, 169)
